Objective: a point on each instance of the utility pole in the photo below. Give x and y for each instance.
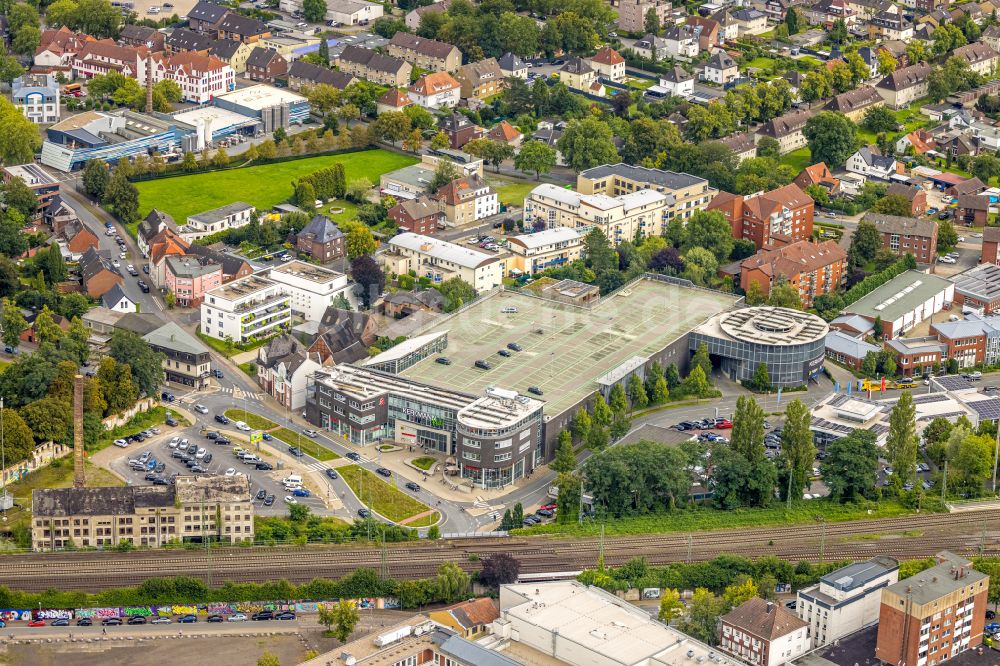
(944, 481)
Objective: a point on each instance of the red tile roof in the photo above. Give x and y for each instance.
(608, 56)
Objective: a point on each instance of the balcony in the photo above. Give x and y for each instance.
(274, 309)
(253, 306)
(264, 324)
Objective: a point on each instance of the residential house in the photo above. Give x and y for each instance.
(819, 175)
(321, 239)
(632, 13)
(905, 85)
(677, 81)
(154, 222)
(743, 145)
(186, 360)
(246, 310)
(142, 35)
(57, 50)
(763, 632)
(98, 274)
(459, 129)
(78, 238)
(37, 97)
(578, 75)
(30, 334)
(190, 277)
(920, 140)
(550, 248)
(58, 214)
(787, 130)
(750, 21)
(413, 17)
(302, 73)
(428, 54)
(401, 304)
(637, 214)
(729, 29)
(117, 300)
(283, 366)
(481, 79)
(917, 196)
(504, 132)
(652, 47)
(869, 163)
(511, 65)
(907, 235)
(930, 6)
(850, 351)
(233, 267)
(392, 99)
(967, 186)
(182, 40)
(682, 42)
(242, 28)
(685, 193)
(828, 12)
(233, 53)
(890, 24)
(991, 37)
(231, 216)
(344, 336)
(470, 619)
(781, 216)
(981, 58)
(265, 65)
(709, 31)
(465, 200)
(312, 289)
(420, 216)
(973, 210)
(164, 244)
(813, 269)
(855, 103)
(609, 64)
(440, 261)
(720, 68)
(870, 55)
(438, 90)
(206, 16)
(373, 66)
(991, 246)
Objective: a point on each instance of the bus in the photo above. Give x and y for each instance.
(74, 89)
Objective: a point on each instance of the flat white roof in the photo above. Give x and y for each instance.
(306, 271)
(560, 194)
(261, 97)
(220, 118)
(403, 348)
(443, 250)
(546, 237)
(599, 201)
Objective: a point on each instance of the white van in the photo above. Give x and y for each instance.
(292, 481)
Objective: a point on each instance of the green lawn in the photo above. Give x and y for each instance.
(798, 159)
(762, 62)
(424, 463)
(513, 193)
(251, 419)
(384, 499)
(263, 186)
(316, 450)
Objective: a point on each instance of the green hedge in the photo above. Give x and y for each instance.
(175, 170)
(876, 280)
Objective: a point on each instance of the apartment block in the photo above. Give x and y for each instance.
(907, 235)
(246, 310)
(224, 218)
(440, 261)
(813, 269)
(623, 217)
(763, 632)
(549, 248)
(186, 360)
(781, 216)
(312, 289)
(933, 616)
(428, 54)
(632, 13)
(219, 508)
(37, 96)
(467, 199)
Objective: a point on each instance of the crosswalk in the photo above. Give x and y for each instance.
(238, 393)
(318, 467)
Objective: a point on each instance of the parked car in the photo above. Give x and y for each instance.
(84, 622)
(483, 365)
(300, 492)
(269, 500)
(443, 360)
(504, 353)
(285, 615)
(237, 617)
(262, 615)
(60, 622)
(137, 619)
(162, 619)
(188, 619)
(290, 500)
(111, 622)
(513, 346)
(263, 466)
(214, 618)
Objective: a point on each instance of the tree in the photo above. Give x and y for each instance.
(370, 279)
(597, 249)
(620, 425)
(535, 156)
(20, 15)
(761, 380)
(60, 13)
(451, 583)
(444, 173)
(345, 618)
(456, 292)
(893, 204)
(617, 400)
(581, 424)
(792, 21)
(499, 569)
(971, 461)
(901, 442)
(587, 143)
(865, 243)
(671, 606)
(651, 22)
(145, 364)
(414, 142)
(784, 295)
(700, 266)
(20, 136)
(13, 324)
(123, 198)
(702, 359)
(879, 119)
(18, 440)
(832, 138)
(701, 620)
(314, 11)
(886, 62)
(46, 329)
(392, 126)
(637, 392)
(565, 458)
(838, 32)
(851, 466)
(18, 196)
(26, 40)
(324, 52)
(947, 236)
(96, 178)
(359, 241)
(440, 141)
(709, 230)
(600, 413)
(220, 158)
(797, 446)
(739, 593)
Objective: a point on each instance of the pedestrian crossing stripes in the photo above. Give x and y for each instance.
(251, 395)
(318, 467)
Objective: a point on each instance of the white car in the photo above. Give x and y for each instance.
(130, 268)
(161, 620)
(123, 255)
(174, 442)
(290, 500)
(237, 617)
(310, 433)
(961, 239)
(184, 443)
(116, 263)
(946, 260)
(231, 471)
(121, 442)
(201, 453)
(242, 426)
(977, 235)
(201, 409)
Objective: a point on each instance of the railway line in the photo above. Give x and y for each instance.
(969, 533)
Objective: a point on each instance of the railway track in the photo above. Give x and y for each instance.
(967, 533)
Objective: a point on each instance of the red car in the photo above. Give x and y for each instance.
(549, 507)
(723, 424)
(36, 623)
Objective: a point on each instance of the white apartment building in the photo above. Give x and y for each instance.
(230, 216)
(37, 96)
(845, 600)
(246, 310)
(311, 288)
(549, 248)
(440, 261)
(620, 218)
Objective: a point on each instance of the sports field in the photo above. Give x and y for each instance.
(263, 186)
(566, 349)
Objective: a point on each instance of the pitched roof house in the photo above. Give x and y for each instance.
(393, 99)
(905, 85)
(428, 54)
(98, 274)
(855, 103)
(321, 239)
(481, 79)
(820, 175)
(344, 336)
(763, 632)
(302, 73)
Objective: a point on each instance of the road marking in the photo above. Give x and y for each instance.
(239, 393)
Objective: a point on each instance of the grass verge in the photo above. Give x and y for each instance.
(249, 369)
(424, 462)
(384, 499)
(691, 520)
(251, 419)
(141, 421)
(292, 438)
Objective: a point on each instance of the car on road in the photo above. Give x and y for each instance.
(212, 435)
(218, 374)
(161, 620)
(237, 617)
(136, 619)
(443, 360)
(262, 615)
(188, 619)
(383, 472)
(9, 350)
(295, 451)
(111, 622)
(240, 425)
(332, 473)
(84, 622)
(201, 409)
(269, 500)
(169, 397)
(170, 421)
(354, 455)
(214, 618)
(143, 286)
(310, 433)
(364, 513)
(285, 615)
(222, 419)
(300, 492)
(410, 485)
(977, 235)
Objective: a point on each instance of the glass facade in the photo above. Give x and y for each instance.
(440, 422)
(787, 365)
